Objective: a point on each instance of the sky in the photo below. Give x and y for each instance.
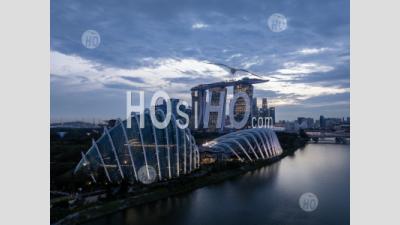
(151, 45)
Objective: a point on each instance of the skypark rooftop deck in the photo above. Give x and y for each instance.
(245, 80)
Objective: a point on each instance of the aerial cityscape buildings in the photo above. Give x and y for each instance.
(206, 116)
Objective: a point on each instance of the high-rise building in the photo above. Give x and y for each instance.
(264, 103)
(317, 124)
(322, 123)
(310, 123)
(174, 104)
(254, 108)
(239, 108)
(198, 107)
(163, 106)
(305, 122)
(264, 108)
(199, 98)
(272, 114)
(300, 120)
(215, 100)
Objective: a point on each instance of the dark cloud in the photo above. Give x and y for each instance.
(127, 87)
(137, 29)
(133, 79)
(340, 76)
(133, 29)
(191, 80)
(328, 99)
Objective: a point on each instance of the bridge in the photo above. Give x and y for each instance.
(340, 136)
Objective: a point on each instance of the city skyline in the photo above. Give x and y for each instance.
(150, 48)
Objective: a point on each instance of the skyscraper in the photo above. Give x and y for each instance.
(199, 98)
(198, 107)
(215, 100)
(322, 122)
(254, 108)
(240, 105)
(174, 104)
(264, 103)
(272, 114)
(264, 108)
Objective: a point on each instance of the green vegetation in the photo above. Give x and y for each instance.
(65, 153)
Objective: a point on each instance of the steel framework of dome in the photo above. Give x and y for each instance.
(248, 145)
(121, 152)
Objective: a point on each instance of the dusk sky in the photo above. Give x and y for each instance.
(165, 45)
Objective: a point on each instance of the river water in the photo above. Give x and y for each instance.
(267, 196)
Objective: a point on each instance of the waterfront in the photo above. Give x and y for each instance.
(265, 196)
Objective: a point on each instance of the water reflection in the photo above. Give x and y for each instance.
(265, 196)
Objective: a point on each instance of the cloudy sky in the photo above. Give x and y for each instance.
(165, 45)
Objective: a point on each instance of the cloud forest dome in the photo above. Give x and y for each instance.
(121, 152)
(248, 145)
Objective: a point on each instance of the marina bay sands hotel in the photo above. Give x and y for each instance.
(215, 92)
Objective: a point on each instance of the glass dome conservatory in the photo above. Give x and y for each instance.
(141, 154)
(248, 145)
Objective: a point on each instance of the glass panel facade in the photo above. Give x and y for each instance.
(120, 152)
(249, 145)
